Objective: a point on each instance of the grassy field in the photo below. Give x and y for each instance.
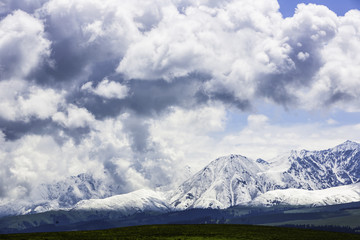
(177, 232)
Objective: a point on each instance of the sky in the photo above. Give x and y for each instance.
(137, 91)
(287, 7)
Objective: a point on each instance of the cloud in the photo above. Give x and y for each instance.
(336, 81)
(331, 121)
(246, 48)
(185, 135)
(22, 44)
(107, 89)
(75, 117)
(139, 89)
(270, 140)
(27, 162)
(194, 143)
(257, 120)
(304, 35)
(28, 6)
(88, 37)
(203, 39)
(21, 101)
(302, 56)
(35, 159)
(250, 54)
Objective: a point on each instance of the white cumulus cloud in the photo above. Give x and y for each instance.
(74, 117)
(23, 44)
(20, 101)
(180, 68)
(107, 89)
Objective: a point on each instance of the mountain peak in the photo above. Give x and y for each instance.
(231, 157)
(225, 182)
(233, 162)
(347, 145)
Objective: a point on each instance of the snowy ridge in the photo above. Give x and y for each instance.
(75, 188)
(303, 177)
(235, 180)
(346, 146)
(329, 196)
(315, 170)
(225, 182)
(128, 204)
(28, 207)
(60, 195)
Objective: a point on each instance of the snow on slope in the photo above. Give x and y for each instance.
(225, 182)
(235, 179)
(27, 207)
(128, 204)
(314, 170)
(346, 146)
(75, 188)
(329, 196)
(60, 195)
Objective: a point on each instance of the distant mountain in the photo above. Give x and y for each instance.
(76, 188)
(303, 177)
(61, 195)
(237, 180)
(300, 197)
(225, 182)
(128, 204)
(314, 170)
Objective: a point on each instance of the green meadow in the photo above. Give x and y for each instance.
(205, 231)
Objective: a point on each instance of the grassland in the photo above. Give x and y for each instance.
(206, 231)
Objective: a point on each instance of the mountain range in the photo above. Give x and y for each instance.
(303, 178)
(287, 179)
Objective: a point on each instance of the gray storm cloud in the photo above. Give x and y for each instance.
(85, 83)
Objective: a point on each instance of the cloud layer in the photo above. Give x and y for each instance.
(139, 89)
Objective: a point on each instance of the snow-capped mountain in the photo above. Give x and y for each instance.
(76, 188)
(234, 180)
(324, 169)
(225, 182)
(301, 177)
(330, 196)
(128, 204)
(61, 195)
